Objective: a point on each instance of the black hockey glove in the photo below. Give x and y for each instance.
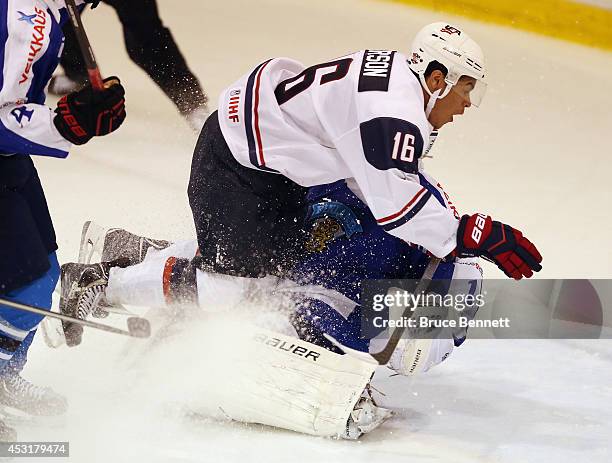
(87, 113)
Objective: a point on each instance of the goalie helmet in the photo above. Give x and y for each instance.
(453, 48)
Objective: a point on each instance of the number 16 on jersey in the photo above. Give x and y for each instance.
(403, 148)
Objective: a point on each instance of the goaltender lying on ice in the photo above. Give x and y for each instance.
(315, 389)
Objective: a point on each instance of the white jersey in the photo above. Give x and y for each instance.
(360, 117)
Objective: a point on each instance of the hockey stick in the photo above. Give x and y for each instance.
(137, 327)
(384, 355)
(93, 71)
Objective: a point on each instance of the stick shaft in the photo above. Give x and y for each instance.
(95, 77)
(66, 318)
(384, 355)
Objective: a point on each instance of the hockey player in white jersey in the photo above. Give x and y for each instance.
(368, 118)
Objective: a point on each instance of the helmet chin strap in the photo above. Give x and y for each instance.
(434, 96)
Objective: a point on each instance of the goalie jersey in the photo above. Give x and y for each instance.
(360, 117)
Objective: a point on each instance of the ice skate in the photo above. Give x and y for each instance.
(19, 393)
(365, 417)
(196, 118)
(108, 244)
(82, 293)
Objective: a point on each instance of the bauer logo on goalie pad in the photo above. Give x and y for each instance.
(375, 71)
(286, 346)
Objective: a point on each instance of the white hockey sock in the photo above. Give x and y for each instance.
(218, 292)
(143, 284)
(140, 285)
(151, 283)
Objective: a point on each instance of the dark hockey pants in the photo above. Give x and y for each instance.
(248, 223)
(27, 236)
(151, 46)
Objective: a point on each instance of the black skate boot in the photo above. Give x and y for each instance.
(115, 243)
(21, 394)
(82, 293)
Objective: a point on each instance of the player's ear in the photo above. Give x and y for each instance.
(435, 81)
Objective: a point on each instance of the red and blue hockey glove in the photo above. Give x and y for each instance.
(515, 255)
(88, 113)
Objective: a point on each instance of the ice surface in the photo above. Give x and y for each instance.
(536, 154)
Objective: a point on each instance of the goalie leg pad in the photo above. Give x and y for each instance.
(285, 382)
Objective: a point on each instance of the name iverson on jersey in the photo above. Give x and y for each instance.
(376, 71)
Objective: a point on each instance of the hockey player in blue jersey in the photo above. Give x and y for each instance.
(322, 292)
(346, 247)
(30, 45)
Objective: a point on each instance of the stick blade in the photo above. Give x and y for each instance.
(139, 327)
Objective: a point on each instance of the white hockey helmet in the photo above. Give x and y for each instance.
(456, 51)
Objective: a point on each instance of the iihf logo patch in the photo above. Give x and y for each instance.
(233, 106)
(29, 18)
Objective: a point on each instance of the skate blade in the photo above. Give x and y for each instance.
(53, 332)
(92, 242)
